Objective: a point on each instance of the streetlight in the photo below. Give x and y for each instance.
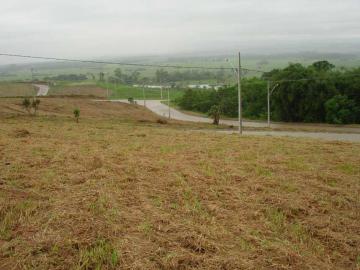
(269, 93)
(237, 74)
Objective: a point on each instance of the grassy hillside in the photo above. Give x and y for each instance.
(123, 192)
(86, 88)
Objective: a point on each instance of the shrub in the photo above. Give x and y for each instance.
(131, 100)
(27, 105)
(31, 104)
(77, 114)
(162, 121)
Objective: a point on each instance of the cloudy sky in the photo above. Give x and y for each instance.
(96, 28)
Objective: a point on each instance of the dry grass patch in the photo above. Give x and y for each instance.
(104, 194)
(16, 89)
(78, 90)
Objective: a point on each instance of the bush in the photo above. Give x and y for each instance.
(31, 104)
(161, 121)
(77, 114)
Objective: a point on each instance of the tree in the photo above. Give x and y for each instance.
(161, 76)
(297, 100)
(323, 66)
(35, 104)
(27, 105)
(118, 73)
(101, 76)
(214, 113)
(341, 110)
(77, 114)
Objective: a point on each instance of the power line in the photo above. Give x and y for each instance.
(123, 63)
(310, 79)
(167, 66)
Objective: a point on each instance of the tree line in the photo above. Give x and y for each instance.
(327, 95)
(67, 77)
(162, 76)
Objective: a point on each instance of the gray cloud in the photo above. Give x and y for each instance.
(96, 28)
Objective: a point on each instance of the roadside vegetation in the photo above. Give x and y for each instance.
(332, 96)
(120, 190)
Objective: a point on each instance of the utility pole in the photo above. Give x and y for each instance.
(161, 90)
(107, 89)
(268, 103)
(143, 88)
(239, 95)
(169, 102)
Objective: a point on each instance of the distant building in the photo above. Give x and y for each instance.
(205, 86)
(149, 86)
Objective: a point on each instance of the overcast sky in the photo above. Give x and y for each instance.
(96, 28)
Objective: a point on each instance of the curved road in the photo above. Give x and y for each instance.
(332, 133)
(161, 109)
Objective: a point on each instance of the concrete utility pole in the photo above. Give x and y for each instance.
(239, 95)
(268, 103)
(143, 88)
(169, 102)
(107, 89)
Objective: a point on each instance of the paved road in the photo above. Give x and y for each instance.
(329, 136)
(332, 133)
(161, 109)
(43, 89)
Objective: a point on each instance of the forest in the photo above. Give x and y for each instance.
(318, 93)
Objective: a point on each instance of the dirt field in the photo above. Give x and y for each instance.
(120, 191)
(50, 106)
(16, 89)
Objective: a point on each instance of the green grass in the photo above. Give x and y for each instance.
(119, 91)
(101, 254)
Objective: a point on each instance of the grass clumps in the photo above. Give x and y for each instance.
(12, 215)
(121, 194)
(100, 255)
